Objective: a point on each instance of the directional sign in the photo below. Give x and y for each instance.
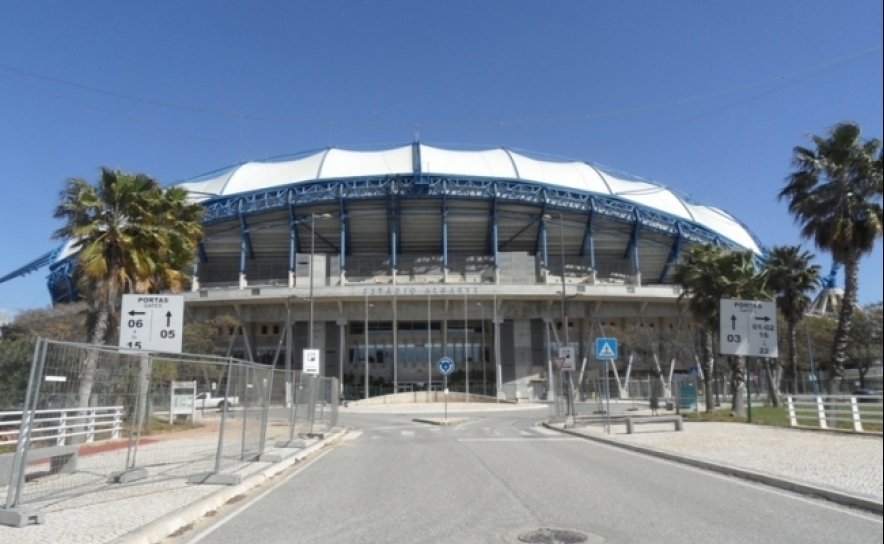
(568, 354)
(445, 365)
(605, 349)
(748, 327)
(311, 361)
(152, 322)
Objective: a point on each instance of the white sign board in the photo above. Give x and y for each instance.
(748, 328)
(311, 361)
(570, 357)
(152, 322)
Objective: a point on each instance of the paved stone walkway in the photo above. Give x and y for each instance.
(844, 462)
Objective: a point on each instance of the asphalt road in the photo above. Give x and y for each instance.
(499, 476)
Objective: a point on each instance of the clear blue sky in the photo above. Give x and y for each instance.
(708, 97)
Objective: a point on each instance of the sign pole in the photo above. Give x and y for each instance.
(749, 388)
(446, 397)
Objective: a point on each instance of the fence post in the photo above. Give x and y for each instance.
(62, 424)
(857, 421)
(90, 428)
(15, 516)
(118, 422)
(821, 413)
(790, 404)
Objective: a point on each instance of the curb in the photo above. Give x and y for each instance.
(158, 530)
(838, 497)
(442, 422)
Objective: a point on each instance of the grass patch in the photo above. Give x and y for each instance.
(7, 448)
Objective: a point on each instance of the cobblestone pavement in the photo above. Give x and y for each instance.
(844, 462)
(83, 508)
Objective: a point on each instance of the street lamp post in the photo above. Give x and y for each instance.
(429, 346)
(482, 351)
(312, 255)
(365, 335)
(466, 340)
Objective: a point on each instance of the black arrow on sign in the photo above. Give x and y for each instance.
(133, 312)
(765, 318)
(168, 319)
(733, 322)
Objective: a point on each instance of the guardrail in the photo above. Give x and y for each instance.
(58, 425)
(828, 411)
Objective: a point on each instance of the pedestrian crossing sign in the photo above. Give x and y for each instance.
(605, 349)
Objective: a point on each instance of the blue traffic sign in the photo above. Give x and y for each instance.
(445, 365)
(605, 349)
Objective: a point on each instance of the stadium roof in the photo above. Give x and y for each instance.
(490, 163)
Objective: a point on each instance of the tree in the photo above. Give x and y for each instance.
(709, 274)
(130, 236)
(835, 195)
(865, 346)
(793, 278)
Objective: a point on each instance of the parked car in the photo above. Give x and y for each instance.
(206, 400)
(866, 395)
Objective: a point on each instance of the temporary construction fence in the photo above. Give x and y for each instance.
(301, 405)
(91, 418)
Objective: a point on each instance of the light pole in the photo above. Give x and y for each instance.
(312, 255)
(365, 335)
(482, 351)
(570, 396)
(429, 346)
(466, 340)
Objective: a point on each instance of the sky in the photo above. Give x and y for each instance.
(708, 98)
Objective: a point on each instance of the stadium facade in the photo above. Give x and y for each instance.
(404, 254)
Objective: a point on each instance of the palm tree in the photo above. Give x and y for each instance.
(835, 195)
(709, 274)
(130, 236)
(793, 278)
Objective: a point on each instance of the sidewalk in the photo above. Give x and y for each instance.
(848, 464)
(144, 512)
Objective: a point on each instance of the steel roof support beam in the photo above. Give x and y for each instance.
(494, 240)
(445, 229)
(345, 232)
(589, 238)
(673, 256)
(632, 246)
(541, 234)
(393, 223)
(294, 241)
(246, 243)
(201, 252)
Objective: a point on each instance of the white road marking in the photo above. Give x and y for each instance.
(519, 439)
(255, 500)
(544, 430)
(353, 436)
(407, 433)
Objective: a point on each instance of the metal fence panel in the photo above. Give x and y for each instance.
(96, 415)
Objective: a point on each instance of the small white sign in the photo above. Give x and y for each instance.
(748, 328)
(152, 322)
(568, 354)
(311, 361)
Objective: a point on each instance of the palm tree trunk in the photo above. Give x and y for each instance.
(706, 354)
(773, 392)
(845, 316)
(738, 381)
(793, 356)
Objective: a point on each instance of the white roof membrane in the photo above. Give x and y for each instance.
(496, 163)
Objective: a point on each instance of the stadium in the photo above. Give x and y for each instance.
(387, 259)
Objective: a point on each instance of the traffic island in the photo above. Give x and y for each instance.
(442, 421)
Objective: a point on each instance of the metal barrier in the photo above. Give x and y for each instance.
(835, 411)
(305, 405)
(90, 412)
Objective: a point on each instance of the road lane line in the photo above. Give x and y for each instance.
(352, 436)
(518, 439)
(255, 500)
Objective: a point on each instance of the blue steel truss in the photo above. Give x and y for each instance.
(393, 190)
